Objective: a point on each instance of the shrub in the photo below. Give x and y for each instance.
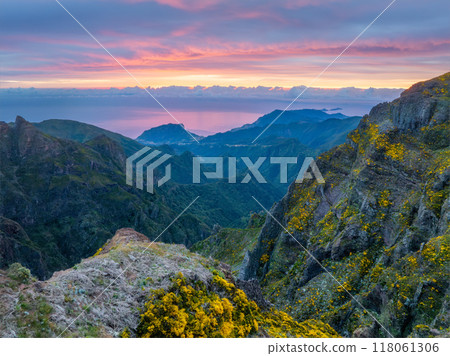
(19, 273)
(217, 310)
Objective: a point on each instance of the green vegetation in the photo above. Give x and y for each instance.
(379, 225)
(34, 317)
(19, 273)
(82, 187)
(228, 245)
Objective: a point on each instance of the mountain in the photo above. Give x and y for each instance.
(60, 199)
(377, 229)
(167, 134)
(315, 129)
(304, 133)
(366, 254)
(82, 132)
(316, 135)
(293, 116)
(68, 197)
(272, 146)
(158, 285)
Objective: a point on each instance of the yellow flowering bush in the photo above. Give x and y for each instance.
(219, 310)
(383, 200)
(194, 311)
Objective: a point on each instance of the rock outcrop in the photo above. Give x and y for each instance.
(107, 294)
(378, 228)
(128, 263)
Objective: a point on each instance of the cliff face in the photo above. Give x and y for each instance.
(60, 200)
(133, 288)
(379, 225)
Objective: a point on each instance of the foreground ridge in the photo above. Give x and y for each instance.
(169, 274)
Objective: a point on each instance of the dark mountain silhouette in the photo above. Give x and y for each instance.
(167, 134)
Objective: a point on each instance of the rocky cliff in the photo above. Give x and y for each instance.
(134, 288)
(377, 229)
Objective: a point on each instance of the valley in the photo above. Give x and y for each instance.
(366, 254)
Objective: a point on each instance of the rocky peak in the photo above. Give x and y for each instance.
(424, 104)
(379, 224)
(29, 139)
(123, 237)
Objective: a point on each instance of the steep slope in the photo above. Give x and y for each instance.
(82, 132)
(228, 245)
(69, 197)
(166, 135)
(379, 225)
(231, 245)
(16, 246)
(316, 134)
(294, 116)
(134, 270)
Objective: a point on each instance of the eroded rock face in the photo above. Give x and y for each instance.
(379, 225)
(351, 240)
(249, 269)
(421, 104)
(253, 291)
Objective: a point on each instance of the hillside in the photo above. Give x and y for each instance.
(150, 282)
(314, 129)
(228, 245)
(294, 116)
(231, 245)
(167, 134)
(379, 225)
(65, 198)
(61, 199)
(82, 132)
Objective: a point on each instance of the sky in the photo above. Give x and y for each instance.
(223, 43)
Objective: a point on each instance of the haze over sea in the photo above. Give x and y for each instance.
(130, 111)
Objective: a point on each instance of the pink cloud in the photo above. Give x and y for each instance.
(188, 5)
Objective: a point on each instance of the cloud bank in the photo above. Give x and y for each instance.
(131, 110)
(214, 42)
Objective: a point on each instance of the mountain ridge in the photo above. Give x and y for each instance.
(83, 132)
(84, 191)
(109, 294)
(167, 134)
(380, 225)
